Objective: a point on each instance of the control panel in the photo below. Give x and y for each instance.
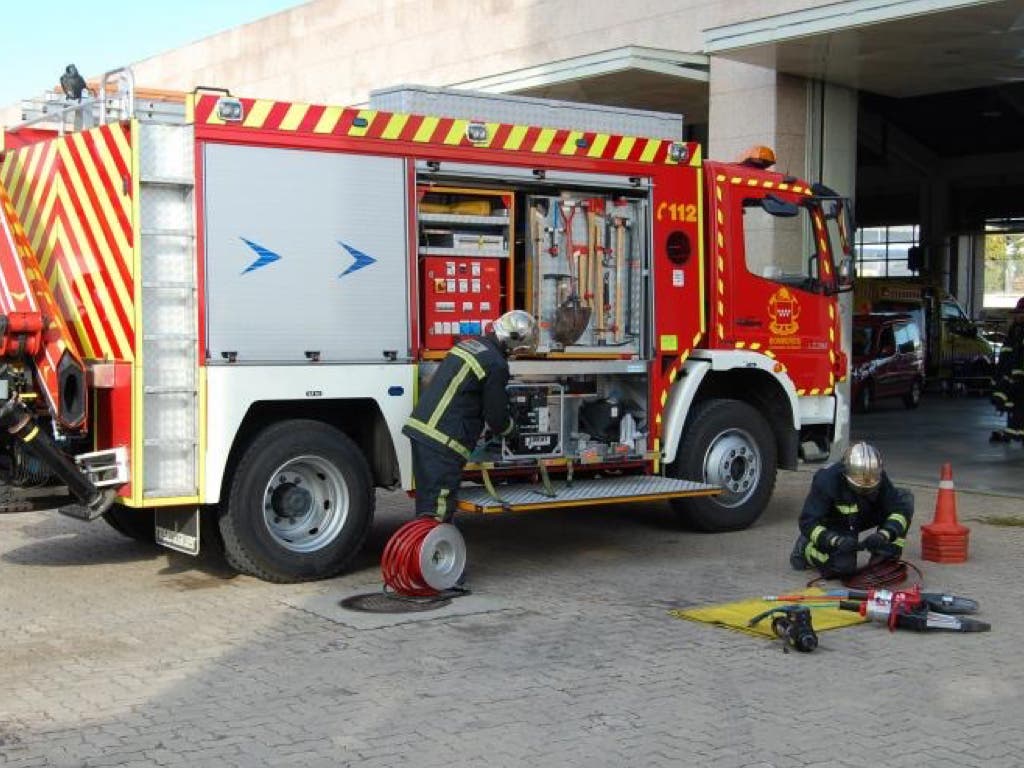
(462, 297)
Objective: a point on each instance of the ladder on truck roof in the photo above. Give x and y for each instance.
(112, 98)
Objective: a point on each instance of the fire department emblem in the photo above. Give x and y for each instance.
(784, 309)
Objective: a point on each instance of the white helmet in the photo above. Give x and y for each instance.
(516, 332)
(862, 466)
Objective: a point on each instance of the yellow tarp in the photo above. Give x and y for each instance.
(737, 615)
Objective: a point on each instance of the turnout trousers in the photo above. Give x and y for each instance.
(438, 474)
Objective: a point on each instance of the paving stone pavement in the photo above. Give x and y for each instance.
(116, 654)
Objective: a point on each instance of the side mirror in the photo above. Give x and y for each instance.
(776, 206)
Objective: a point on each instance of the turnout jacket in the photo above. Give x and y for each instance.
(467, 391)
(833, 507)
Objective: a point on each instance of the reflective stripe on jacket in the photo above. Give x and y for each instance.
(467, 391)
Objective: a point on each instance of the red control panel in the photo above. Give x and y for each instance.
(462, 297)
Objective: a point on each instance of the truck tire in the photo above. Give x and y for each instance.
(300, 504)
(726, 443)
(134, 523)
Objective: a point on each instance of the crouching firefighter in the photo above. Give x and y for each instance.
(845, 499)
(466, 392)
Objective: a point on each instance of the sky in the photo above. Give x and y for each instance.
(44, 36)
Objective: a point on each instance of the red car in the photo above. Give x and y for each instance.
(888, 360)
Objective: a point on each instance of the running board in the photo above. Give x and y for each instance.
(579, 493)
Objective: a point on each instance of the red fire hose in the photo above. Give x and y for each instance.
(424, 558)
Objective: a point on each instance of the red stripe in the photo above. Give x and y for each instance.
(20, 182)
(203, 108)
(558, 142)
(276, 115)
(59, 259)
(119, 160)
(441, 131)
(588, 137)
(501, 136)
(92, 247)
(39, 188)
(94, 200)
(113, 192)
(377, 125)
(611, 147)
(662, 153)
(313, 115)
(530, 138)
(345, 122)
(411, 126)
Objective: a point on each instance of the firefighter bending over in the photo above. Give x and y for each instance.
(466, 392)
(845, 499)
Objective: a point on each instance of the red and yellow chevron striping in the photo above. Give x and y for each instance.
(317, 120)
(73, 196)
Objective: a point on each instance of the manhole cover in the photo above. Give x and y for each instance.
(388, 602)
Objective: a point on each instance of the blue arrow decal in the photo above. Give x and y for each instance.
(265, 256)
(361, 259)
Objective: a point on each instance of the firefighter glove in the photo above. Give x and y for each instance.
(842, 542)
(877, 543)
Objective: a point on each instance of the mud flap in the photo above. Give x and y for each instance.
(177, 528)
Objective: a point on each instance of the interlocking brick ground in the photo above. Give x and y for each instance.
(115, 654)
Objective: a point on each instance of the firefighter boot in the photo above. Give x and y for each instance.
(797, 559)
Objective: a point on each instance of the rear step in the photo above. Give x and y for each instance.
(579, 493)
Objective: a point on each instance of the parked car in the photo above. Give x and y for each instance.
(888, 359)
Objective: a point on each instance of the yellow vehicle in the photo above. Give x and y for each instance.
(956, 353)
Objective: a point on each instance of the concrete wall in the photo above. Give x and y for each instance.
(336, 51)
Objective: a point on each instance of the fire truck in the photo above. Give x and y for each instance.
(217, 312)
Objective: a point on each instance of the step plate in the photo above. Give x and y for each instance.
(582, 493)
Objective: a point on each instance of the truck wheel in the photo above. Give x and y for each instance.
(134, 523)
(300, 504)
(729, 444)
(913, 398)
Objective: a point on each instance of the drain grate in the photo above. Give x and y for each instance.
(389, 602)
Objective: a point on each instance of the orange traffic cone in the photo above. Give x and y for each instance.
(944, 540)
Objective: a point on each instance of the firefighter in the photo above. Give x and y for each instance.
(466, 392)
(1008, 392)
(845, 499)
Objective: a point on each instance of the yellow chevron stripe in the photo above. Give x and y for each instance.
(672, 376)
(720, 177)
(740, 344)
(755, 345)
(735, 180)
(664, 398)
(718, 193)
(395, 126)
(62, 241)
(110, 168)
(769, 184)
(25, 179)
(599, 145)
(457, 132)
(91, 264)
(721, 263)
(328, 120)
(721, 240)
(696, 339)
(721, 285)
(647, 156)
(815, 391)
(544, 139)
(257, 114)
(624, 148)
(721, 307)
(515, 137)
(695, 158)
(92, 221)
(107, 209)
(770, 353)
(721, 331)
(367, 114)
(569, 148)
(61, 286)
(293, 117)
(426, 129)
(42, 213)
(801, 392)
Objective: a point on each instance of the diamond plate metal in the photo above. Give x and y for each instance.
(582, 492)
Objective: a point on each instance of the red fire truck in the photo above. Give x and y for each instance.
(222, 308)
